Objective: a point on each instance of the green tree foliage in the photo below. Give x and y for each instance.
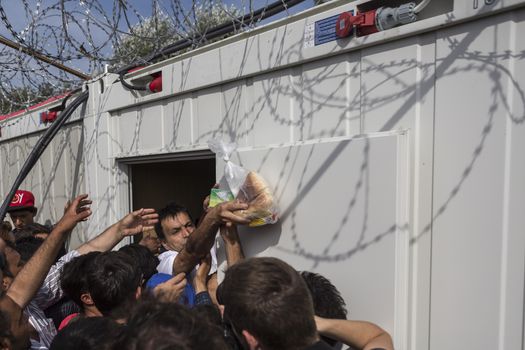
(24, 97)
(145, 38)
(158, 31)
(207, 17)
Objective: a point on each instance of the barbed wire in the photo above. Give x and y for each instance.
(87, 35)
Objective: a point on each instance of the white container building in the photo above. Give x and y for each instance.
(397, 158)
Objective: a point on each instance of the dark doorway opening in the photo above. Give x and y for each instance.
(187, 182)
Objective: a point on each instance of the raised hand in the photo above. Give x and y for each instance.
(171, 290)
(138, 221)
(224, 213)
(200, 279)
(78, 210)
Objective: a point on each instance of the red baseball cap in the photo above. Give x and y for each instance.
(22, 200)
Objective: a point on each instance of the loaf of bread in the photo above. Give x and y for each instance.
(261, 207)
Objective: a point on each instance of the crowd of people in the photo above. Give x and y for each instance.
(161, 292)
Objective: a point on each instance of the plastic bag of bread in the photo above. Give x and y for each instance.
(246, 186)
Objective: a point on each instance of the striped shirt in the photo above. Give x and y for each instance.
(48, 294)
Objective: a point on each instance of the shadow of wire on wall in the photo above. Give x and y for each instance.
(459, 52)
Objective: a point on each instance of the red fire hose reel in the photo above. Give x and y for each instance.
(153, 85)
(365, 24)
(156, 84)
(48, 116)
(373, 21)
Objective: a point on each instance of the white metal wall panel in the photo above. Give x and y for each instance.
(4, 166)
(48, 165)
(23, 147)
(12, 155)
(50, 180)
(29, 123)
(206, 115)
(476, 84)
(389, 84)
(102, 178)
(74, 179)
(45, 168)
(421, 145)
(270, 100)
(56, 182)
(74, 153)
(177, 122)
(234, 112)
(351, 231)
(130, 129)
(511, 326)
(150, 119)
(9, 166)
(323, 102)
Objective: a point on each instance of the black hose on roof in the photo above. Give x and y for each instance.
(40, 147)
(130, 86)
(68, 96)
(218, 31)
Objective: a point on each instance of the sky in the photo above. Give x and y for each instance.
(92, 30)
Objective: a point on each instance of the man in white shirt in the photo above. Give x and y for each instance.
(174, 228)
(185, 244)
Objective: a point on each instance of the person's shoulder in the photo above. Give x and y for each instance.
(166, 260)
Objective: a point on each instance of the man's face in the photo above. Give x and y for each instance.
(176, 231)
(152, 243)
(22, 217)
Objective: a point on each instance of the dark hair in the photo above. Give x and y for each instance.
(3, 266)
(210, 312)
(113, 279)
(169, 211)
(143, 257)
(88, 333)
(5, 229)
(154, 325)
(31, 229)
(6, 226)
(32, 209)
(27, 247)
(328, 302)
(73, 279)
(269, 299)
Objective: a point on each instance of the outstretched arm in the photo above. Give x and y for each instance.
(30, 278)
(202, 239)
(131, 224)
(357, 334)
(232, 244)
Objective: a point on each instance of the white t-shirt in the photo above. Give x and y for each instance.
(168, 257)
